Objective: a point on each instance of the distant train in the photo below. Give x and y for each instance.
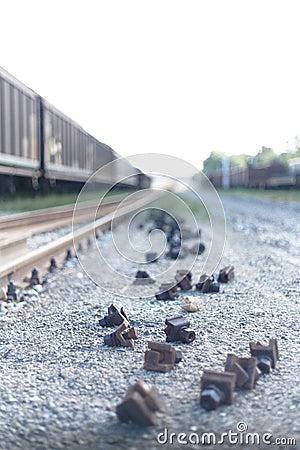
(41, 146)
(272, 175)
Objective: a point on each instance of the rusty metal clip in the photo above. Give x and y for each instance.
(11, 292)
(114, 317)
(207, 284)
(267, 355)
(167, 291)
(178, 330)
(140, 405)
(226, 274)
(197, 249)
(122, 337)
(142, 277)
(217, 388)
(246, 370)
(35, 278)
(184, 278)
(161, 357)
(53, 265)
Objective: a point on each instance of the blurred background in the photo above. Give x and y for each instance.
(214, 83)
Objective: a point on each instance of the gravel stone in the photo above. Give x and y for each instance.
(60, 384)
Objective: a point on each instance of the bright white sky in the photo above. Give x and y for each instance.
(179, 77)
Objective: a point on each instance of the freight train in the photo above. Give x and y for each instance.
(42, 147)
(267, 176)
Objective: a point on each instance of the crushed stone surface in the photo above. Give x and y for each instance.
(59, 384)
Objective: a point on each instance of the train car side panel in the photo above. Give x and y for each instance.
(65, 147)
(19, 131)
(104, 155)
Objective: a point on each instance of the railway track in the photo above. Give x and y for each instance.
(15, 229)
(48, 217)
(17, 261)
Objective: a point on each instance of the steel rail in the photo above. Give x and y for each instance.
(26, 219)
(23, 264)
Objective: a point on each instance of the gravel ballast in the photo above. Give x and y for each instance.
(60, 385)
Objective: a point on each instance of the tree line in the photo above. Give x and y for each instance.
(265, 155)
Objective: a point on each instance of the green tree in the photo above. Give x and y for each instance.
(286, 156)
(213, 163)
(239, 160)
(264, 156)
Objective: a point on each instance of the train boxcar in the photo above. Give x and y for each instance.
(216, 179)
(126, 174)
(259, 175)
(143, 181)
(70, 153)
(239, 177)
(294, 166)
(274, 174)
(41, 145)
(19, 129)
(103, 155)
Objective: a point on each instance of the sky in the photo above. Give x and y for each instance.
(180, 77)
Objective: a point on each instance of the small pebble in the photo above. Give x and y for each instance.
(191, 304)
